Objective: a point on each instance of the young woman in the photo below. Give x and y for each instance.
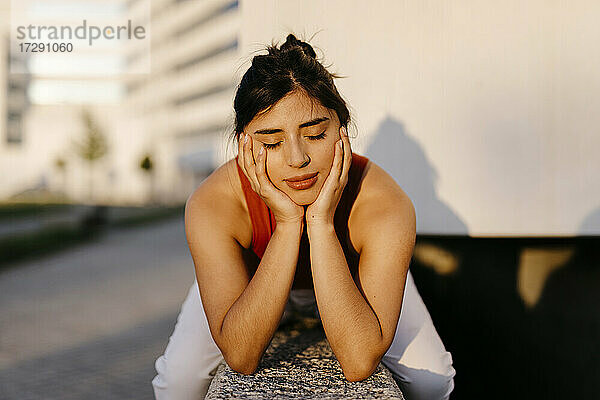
(298, 222)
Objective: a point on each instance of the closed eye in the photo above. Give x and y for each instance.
(318, 137)
(275, 145)
(271, 146)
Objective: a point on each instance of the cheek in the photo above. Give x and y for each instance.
(330, 158)
(326, 156)
(272, 167)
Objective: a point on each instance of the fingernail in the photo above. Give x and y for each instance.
(261, 151)
(246, 138)
(340, 143)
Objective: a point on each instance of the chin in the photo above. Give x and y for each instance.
(304, 197)
(305, 202)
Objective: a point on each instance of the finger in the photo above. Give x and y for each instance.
(333, 178)
(261, 167)
(347, 156)
(249, 164)
(253, 163)
(240, 159)
(248, 157)
(339, 169)
(242, 154)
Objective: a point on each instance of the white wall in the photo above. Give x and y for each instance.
(486, 113)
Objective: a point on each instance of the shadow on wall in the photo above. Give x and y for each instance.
(590, 224)
(404, 159)
(518, 314)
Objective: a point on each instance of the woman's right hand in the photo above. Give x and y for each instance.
(283, 208)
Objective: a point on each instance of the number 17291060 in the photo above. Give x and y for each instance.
(46, 47)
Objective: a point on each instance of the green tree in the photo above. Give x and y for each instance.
(148, 167)
(61, 164)
(92, 147)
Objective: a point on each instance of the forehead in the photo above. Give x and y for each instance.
(293, 109)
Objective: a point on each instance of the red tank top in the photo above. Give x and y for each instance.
(263, 223)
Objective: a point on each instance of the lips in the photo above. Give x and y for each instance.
(301, 177)
(302, 182)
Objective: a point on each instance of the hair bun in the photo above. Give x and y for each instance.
(291, 42)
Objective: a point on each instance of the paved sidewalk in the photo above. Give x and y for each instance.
(89, 322)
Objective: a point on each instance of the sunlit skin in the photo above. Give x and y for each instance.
(288, 149)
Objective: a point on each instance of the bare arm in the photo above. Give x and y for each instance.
(350, 324)
(360, 319)
(360, 322)
(251, 321)
(242, 313)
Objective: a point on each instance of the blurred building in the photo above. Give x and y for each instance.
(177, 114)
(13, 100)
(45, 104)
(184, 105)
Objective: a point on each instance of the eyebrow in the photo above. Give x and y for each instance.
(302, 125)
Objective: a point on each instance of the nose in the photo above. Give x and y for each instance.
(296, 155)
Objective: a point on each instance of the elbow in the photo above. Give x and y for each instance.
(239, 359)
(357, 376)
(360, 372)
(244, 369)
(242, 365)
(360, 363)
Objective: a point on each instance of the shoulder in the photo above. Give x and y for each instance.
(220, 199)
(381, 205)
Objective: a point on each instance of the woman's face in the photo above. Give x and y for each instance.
(299, 136)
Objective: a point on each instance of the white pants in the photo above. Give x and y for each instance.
(417, 357)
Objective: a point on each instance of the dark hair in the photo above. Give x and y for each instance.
(293, 66)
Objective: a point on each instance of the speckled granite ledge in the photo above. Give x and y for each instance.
(299, 364)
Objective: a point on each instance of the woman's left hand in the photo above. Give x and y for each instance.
(323, 209)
